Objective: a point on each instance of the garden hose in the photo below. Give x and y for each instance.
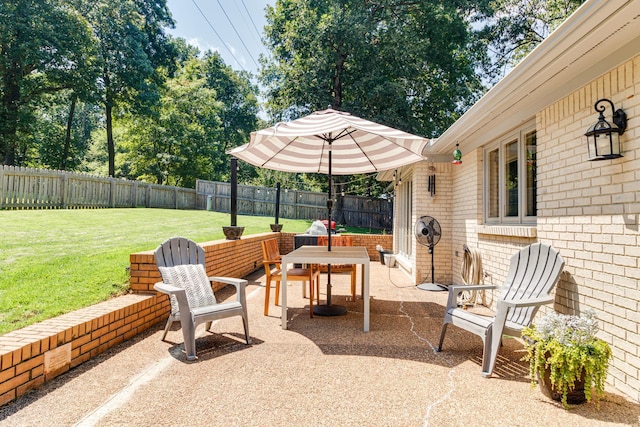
(472, 274)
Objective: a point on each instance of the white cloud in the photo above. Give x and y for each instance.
(203, 47)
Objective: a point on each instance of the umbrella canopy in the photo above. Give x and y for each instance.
(357, 145)
(334, 143)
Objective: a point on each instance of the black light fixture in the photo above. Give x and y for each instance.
(603, 138)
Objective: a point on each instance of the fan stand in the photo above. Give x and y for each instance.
(435, 287)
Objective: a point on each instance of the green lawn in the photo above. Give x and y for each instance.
(56, 261)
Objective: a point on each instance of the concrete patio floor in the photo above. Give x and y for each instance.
(323, 371)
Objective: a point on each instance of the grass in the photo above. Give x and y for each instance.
(56, 261)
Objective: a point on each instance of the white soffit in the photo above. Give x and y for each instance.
(596, 38)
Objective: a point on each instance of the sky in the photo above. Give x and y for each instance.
(228, 26)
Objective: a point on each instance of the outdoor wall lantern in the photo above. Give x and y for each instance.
(603, 138)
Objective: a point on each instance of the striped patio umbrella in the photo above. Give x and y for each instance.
(334, 143)
(331, 142)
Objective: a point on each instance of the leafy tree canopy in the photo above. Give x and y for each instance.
(202, 110)
(403, 64)
(45, 47)
(132, 51)
(515, 28)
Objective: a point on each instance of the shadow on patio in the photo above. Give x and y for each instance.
(322, 371)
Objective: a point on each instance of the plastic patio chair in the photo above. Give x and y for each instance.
(340, 268)
(533, 273)
(184, 279)
(271, 256)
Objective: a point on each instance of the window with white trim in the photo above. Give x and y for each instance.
(404, 194)
(510, 179)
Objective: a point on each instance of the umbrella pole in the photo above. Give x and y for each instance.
(277, 202)
(329, 309)
(234, 192)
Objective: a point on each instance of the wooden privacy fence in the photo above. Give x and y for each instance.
(295, 204)
(27, 188)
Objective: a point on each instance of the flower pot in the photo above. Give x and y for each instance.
(232, 232)
(390, 260)
(574, 397)
(276, 228)
(382, 254)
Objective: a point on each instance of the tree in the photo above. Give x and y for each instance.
(204, 109)
(399, 63)
(515, 28)
(45, 47)
(287, 180)
(239, 98)
(61, 131)
(132, 50)
(182, 142)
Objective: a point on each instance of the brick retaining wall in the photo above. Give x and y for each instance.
(233, 258)
(37, 353)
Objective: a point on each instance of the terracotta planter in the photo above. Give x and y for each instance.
(232, 232)
(574, 397)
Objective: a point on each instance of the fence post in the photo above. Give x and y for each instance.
(295, 204)
(134, 195)
(195, 200)
(112, 192)
(2, 195)
(63, 190)
(215, 196)
(147, 198)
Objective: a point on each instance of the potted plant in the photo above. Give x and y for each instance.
(565, 356)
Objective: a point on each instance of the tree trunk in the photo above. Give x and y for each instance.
(67, 139)
(108, 104)
(337, 103)
(341, 59)
(110, 145)
(337, 81)
(339, 205)
(9, 116)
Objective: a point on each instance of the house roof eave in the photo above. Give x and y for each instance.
(597, 37)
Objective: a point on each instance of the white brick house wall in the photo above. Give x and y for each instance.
(590, 212)
(438, 207)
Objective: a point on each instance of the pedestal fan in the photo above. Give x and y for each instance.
(427, 231)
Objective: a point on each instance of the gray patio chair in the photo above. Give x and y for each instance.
(184, 279)
(533, 273)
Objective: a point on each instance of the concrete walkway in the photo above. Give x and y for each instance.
(323, 371)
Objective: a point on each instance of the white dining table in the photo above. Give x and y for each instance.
(321, 255)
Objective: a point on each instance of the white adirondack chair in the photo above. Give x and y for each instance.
(184, 279)
(533, 273)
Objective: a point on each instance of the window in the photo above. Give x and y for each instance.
(510, 179)
(404, 192)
